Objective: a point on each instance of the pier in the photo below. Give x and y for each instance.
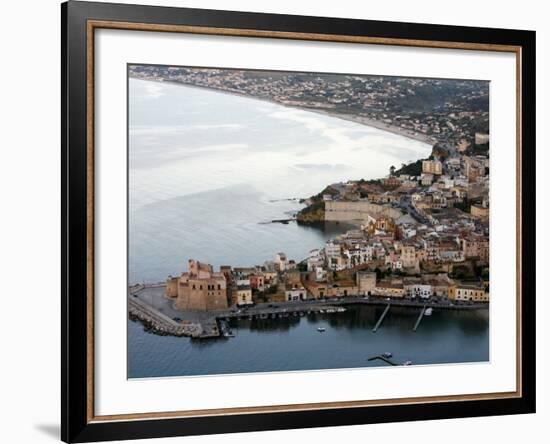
(381, 318)
(420, 316)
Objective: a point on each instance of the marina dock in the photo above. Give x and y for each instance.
(377, 326)
(278, 311)
(420, 316)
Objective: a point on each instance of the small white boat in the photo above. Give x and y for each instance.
(407, 363)
(428, 311)
(387, 355)
(321, 329)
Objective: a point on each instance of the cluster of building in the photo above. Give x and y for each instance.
(459, 181)
(420, 236)
(202, 289)
(421, 232)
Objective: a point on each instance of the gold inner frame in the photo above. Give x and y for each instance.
(98, 24)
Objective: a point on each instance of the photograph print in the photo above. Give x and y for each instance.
(297, 221)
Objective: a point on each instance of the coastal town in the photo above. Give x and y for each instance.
(412, 241)
(417, 237)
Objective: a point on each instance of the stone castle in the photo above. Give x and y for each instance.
(198, 289)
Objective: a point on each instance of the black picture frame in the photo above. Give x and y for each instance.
(76, 423)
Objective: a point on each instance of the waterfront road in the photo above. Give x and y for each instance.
(154, 296)
(309, 304)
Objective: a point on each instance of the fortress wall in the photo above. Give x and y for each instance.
(343, 211)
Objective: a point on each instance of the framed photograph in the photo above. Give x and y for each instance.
(275, 221)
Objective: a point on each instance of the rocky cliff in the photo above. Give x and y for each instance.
(312, 214)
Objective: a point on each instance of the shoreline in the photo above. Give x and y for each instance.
(206, 325)
(365, 121)
(419, 137)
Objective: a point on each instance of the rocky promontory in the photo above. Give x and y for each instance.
(312, 214)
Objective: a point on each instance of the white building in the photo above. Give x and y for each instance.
(335, 259)
(408, 231)
(243, 282)
(281, 261)
(320, 274)
(295, 294)
(332, 249)
(415, 290)
(448, 182)
(315, 262)
(359, 254)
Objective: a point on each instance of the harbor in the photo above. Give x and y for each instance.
(148, 304)
(247, 342)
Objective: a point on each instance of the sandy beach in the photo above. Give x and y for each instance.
(376, 124)
(350, 118)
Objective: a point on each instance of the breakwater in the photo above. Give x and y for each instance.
(160, 324)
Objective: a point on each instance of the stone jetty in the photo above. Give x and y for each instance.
(161, 324)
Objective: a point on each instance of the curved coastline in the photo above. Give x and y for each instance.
(272, 232)
(347, 117)
(375, 124)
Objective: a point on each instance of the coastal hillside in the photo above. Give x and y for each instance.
(445, 111)
(314, 211)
